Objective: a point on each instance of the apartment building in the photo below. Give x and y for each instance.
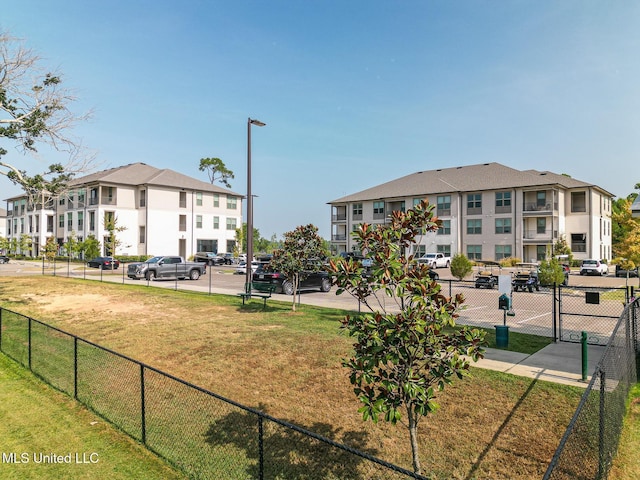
(162, 212)
(488, 212)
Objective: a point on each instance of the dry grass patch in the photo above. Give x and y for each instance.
(490, 426)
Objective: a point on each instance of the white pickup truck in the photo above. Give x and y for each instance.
(436, 260)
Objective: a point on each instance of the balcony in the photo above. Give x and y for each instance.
(339, 237)
(537, 236)
(339, 217)
(537, 209)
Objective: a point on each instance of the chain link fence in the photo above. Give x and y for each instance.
(200, 433)
(590, 442)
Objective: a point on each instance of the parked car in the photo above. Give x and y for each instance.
(526, 278)
(209, 258)
(104, 263)
(593, 267)
(621, 272)
(242, 267)
(229, 258)
(312, 280)
(166, 267)
(4, 259)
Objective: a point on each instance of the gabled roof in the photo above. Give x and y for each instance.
(143, 174)
(470, 178)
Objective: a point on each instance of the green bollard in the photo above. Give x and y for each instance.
(583, 340)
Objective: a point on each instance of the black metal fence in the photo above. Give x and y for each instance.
(200, 433)
(589, 445)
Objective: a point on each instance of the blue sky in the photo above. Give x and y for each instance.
(354, 93)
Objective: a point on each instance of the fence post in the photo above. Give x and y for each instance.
(260, 448)
(601, 426)
(143, 419)
(554, 312)
(75, 368)
(29, 343)
(1, 310)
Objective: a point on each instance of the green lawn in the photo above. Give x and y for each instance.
(38, 420)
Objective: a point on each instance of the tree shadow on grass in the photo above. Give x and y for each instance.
(288, 453)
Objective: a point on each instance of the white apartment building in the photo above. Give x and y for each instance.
(163, 212)
(488, 212)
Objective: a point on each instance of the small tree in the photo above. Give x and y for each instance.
(25, 244)
(407, 349)
(4, 244)
(303, 251)
(217, 170)
(461, 266)
(50, 248)
(112, 227)
(72, 245)
(90, 247)
(551, 272)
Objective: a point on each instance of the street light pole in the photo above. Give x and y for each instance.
(249, 273)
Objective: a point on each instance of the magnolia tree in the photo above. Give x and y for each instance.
(302, 252)
(34, 109)
(409, 348)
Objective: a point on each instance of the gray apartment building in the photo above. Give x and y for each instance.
(488, 212)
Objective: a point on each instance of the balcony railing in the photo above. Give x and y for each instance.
(534, 207)
(340, 237)
(339, 217)
(535, 234)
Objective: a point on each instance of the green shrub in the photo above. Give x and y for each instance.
(461, 266)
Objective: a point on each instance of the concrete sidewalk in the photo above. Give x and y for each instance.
(558, 362)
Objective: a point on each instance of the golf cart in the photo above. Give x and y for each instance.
(486, 278)
(526, 277)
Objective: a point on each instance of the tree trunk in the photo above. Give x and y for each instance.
(413, 435)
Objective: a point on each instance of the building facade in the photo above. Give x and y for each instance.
(159, 212)
(488, 212)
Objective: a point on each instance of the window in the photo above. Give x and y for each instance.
(61, 200)
(474, 252)
(419, 251)
(444, 205)
(70, 221)
(541, 199)
(378, 210)
(578, 242)
(49, 223)
(474, 204)
(81, 195)
(231, 246)
(198, 221)
(183, 200)
(474, 227)
(231, 224)
(109, 216)
(92, 220)
(446, 249)
(216, 223)
(232, 202)
(216, 199)
(503, 199)
(503, 251)
(142, 233)
(199, 199)
(445, 228)
(356, 210)
(80, 221)
(503, 202)
(143, 199)
(182, 223)
(578, 201)
(541, 226)
(61, 221)
(503, 225)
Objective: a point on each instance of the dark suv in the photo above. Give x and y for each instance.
(311, 280)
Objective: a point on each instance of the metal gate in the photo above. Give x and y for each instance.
(594, 310)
